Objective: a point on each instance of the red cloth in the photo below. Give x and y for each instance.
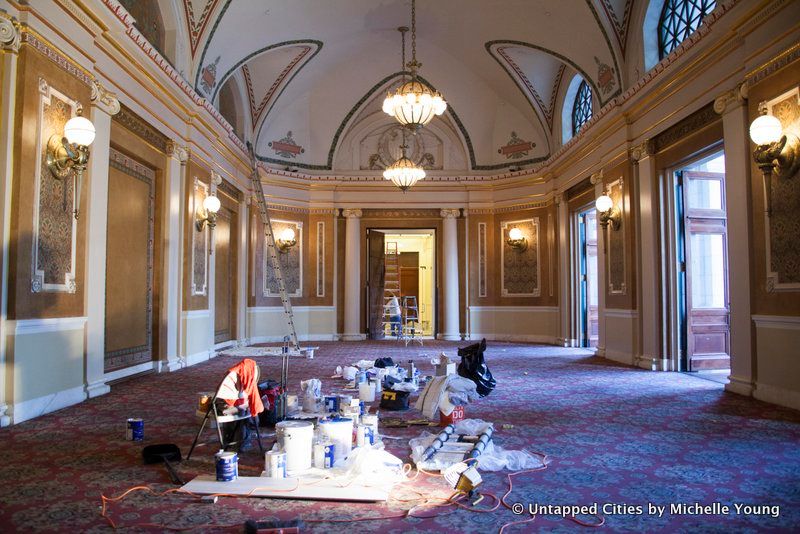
(247, 371)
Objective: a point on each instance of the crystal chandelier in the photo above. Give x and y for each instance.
(404, 173)
(413, 104)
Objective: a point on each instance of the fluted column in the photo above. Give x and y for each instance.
(732, 106)
(9, 50)
(104, 105)
(450, 274)
(352, 276)
(566, 337)
(175, 182)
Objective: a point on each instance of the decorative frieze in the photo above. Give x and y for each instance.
(133, 122)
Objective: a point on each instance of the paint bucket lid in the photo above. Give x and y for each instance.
(294, 424)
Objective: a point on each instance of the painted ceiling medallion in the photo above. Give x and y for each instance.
(208, 76)
(605, 76)
(287, 147)
(414, 104)
(516, 148)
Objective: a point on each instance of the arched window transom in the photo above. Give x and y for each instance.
(582, 108)
(679, 19)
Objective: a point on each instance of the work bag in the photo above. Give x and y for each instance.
(473, 366)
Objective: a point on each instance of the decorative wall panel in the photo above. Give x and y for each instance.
(199, 270)
(616, 242)
(291, 262)
(54, 226)
(129, 264)
(481, 259)
(520, 268)
(320, 259)
(551, 245)
(783, 226)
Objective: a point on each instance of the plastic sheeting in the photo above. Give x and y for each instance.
(494, 457)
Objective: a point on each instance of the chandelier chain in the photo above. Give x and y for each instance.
(414, 32)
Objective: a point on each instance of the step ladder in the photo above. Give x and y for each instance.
(411, 320)
(391, 287)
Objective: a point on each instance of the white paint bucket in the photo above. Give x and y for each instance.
(371, 420)
(296, 438)
(340, 432)
(366, 392)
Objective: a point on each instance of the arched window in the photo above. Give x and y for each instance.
(679, 19)
(582, 107)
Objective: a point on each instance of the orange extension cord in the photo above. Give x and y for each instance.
(421, 502)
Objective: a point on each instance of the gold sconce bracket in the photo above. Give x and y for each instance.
(613, 216)
(284, 246)
(520, 244)
(65, 160)
(780, 159)
(204, 218)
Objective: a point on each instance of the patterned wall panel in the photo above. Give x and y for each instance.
(551, 253)
(54, 227)
(291, 262)
(616, 242)
(482, 259)
(199, 270)
(129, 331)
(520, 268)
(320, 259)
(783, 226)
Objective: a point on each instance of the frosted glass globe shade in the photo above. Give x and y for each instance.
(766, 130)
(603, 203)
(79, 131)
(211, 204)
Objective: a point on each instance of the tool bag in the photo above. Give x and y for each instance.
(394, 400)
(270, 392)
(473, 366)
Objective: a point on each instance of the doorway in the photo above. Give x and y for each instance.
(401, 265)
(587, 283)
(703, 308)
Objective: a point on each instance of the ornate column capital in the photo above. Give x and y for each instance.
(450, 213)
(641, 151)
(596, 177)
(558, 197)
(352, 213)
(104, 99)
(179, 152)
(731, 99)
(10, 36)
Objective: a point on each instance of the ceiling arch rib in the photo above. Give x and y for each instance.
(537, 73)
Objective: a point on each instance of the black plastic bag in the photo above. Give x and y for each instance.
(473, 366)
(396, 401)
(382, 363)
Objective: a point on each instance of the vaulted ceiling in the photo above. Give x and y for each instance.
(310, 74)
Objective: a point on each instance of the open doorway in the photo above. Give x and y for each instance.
(587, 282)
(402, 265)
(702, 267)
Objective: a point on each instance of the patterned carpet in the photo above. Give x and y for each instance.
(614, 434)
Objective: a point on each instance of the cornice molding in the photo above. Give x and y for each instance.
(686, 126)
(133, 122)
(773, 65)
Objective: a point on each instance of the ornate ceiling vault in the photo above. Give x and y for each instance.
(305, 71)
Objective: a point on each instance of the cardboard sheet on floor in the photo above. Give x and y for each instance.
(288, 488)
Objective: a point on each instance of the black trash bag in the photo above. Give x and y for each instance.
(473, 366)
(382, 363)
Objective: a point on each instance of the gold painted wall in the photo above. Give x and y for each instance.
(23, 302)
(786, 205)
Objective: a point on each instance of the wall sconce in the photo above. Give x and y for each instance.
(608, 212)
(776, 152)
(517, 240)
(208, 213)
(286, 239)
(69, 154)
